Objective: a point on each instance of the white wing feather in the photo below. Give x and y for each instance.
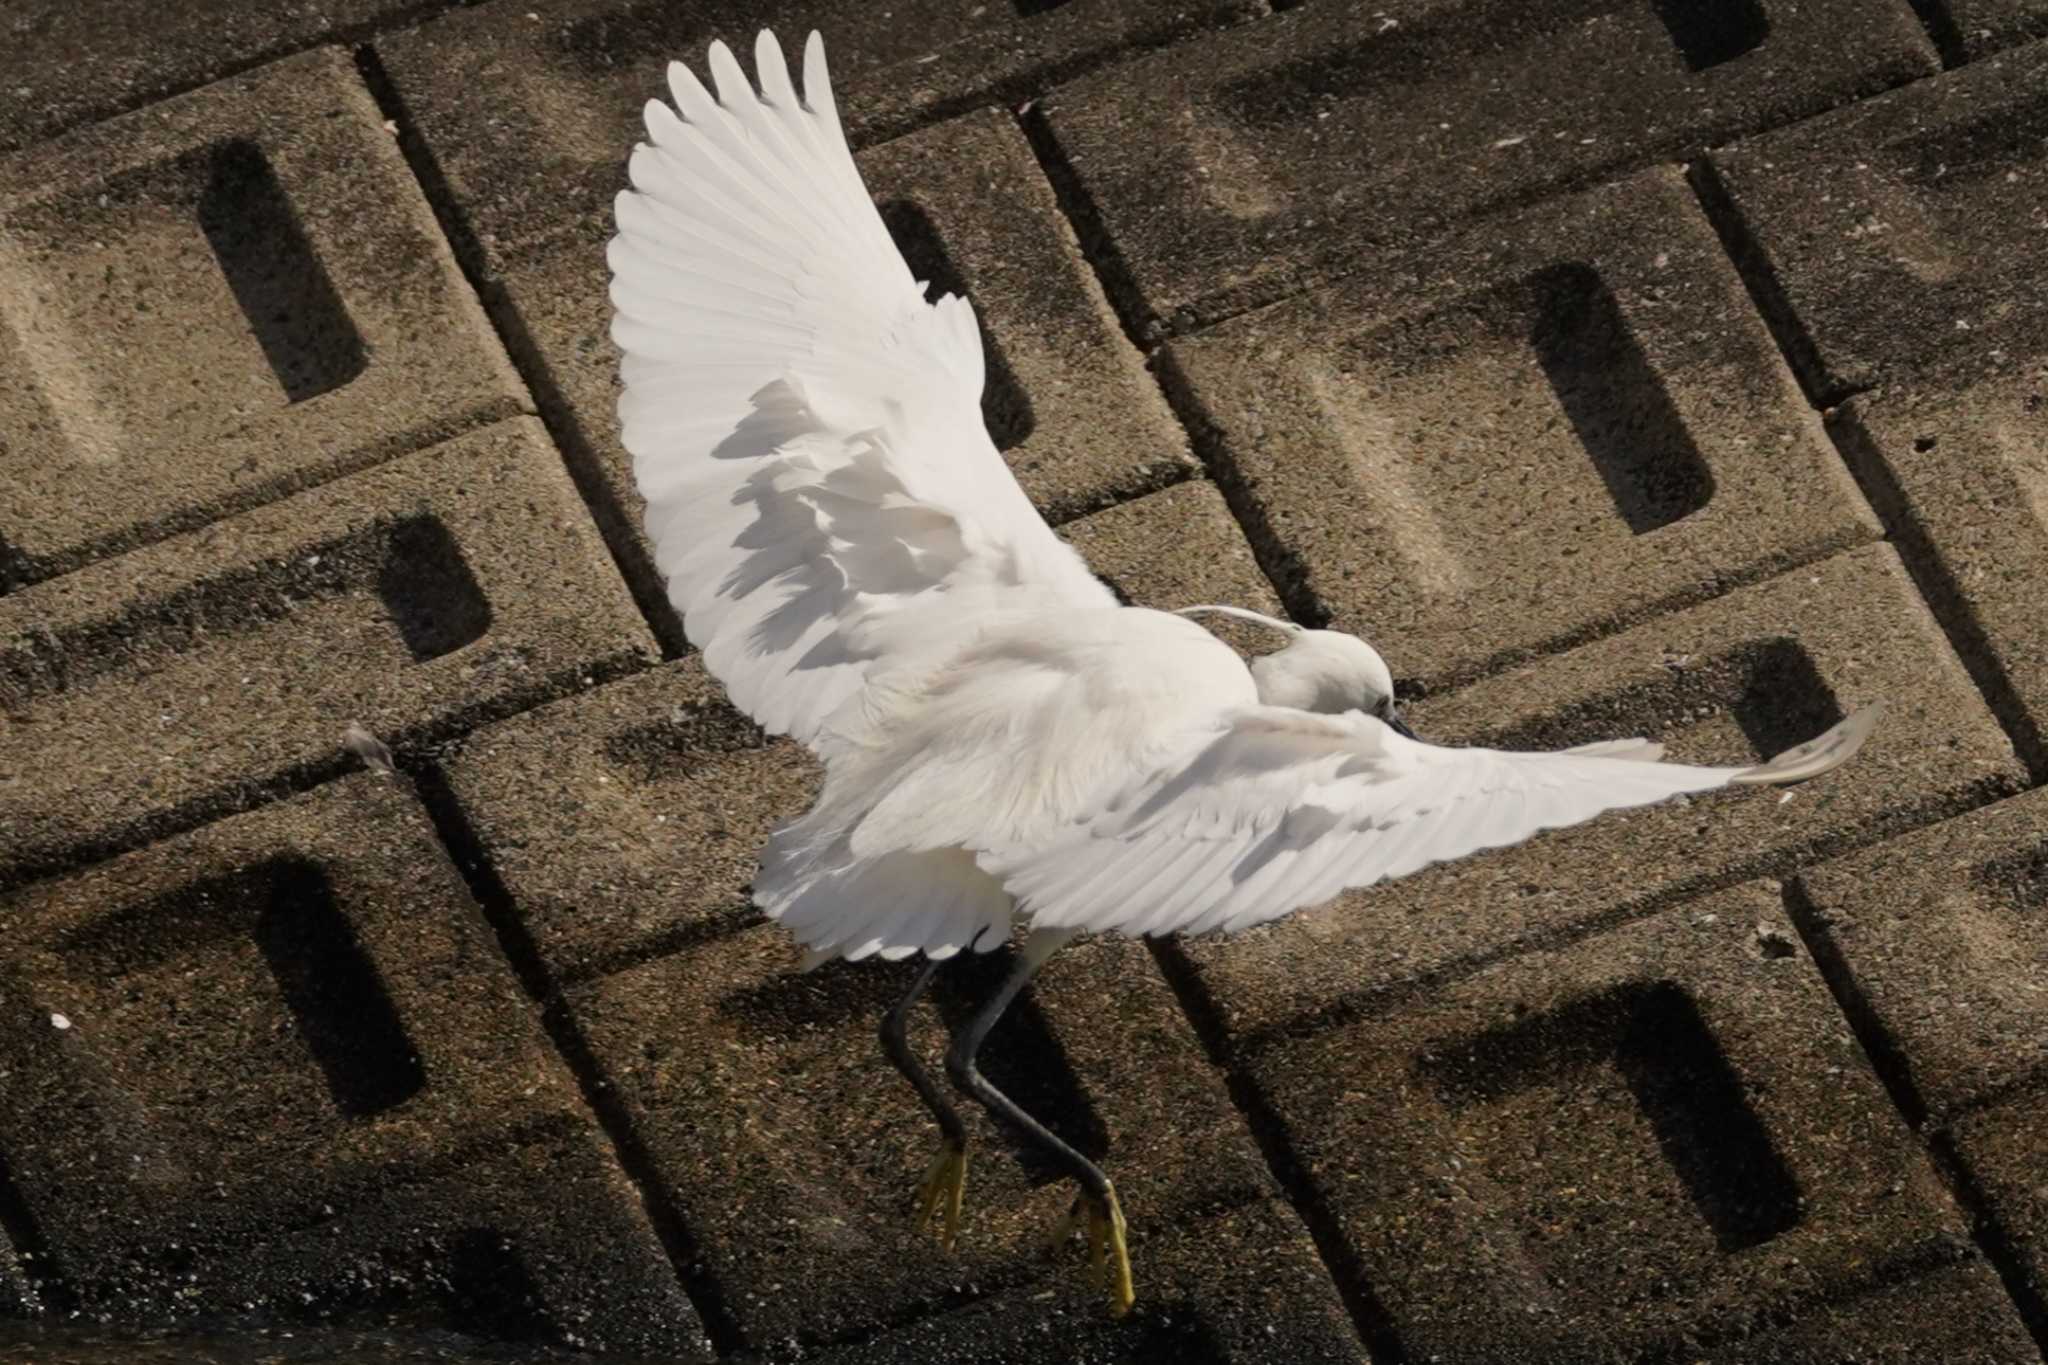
(861, 571)
(805, 427)
(1271, 809)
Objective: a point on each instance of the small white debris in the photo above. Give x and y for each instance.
(1785, 796)
(60, 1022)
(374, 752)
(391, 126)
(1517, 140)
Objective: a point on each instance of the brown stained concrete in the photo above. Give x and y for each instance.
(1900, 241)
(279, 1063)
(568, 78)
(1977, 28)
(1587, 1099)
(1589, 1152)
(214, 301)
(63, 63)
(1957, 1313)
(792, 1150)
(201, 674)
(1232, 170)
(1999, 1149)
(1942, 936)
(1561, 421)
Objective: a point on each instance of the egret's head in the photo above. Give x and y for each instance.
(1320, 670)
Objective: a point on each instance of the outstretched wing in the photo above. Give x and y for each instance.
(805, 427)
(1274, 809)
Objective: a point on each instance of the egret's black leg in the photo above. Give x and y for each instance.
(897, 1046)
(1098, 1196)
(945, 1184)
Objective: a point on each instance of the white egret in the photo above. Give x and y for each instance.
(1003, 742)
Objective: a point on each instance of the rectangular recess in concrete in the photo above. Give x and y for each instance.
(195, 676)
(210, 303)
(1529, 434)
(295, 1073)
(1663, 1131)
(1232, 170)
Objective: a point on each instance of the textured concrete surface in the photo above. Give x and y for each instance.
(219, 299)
(1942, 936)
(1968, 29)
(2000, 1151)
(1600, 361)
(279, 1063)
(200, 674)
(1228, 171)
(1900, 241)
(62, 63)
(1657, 1131)
(1523, 436)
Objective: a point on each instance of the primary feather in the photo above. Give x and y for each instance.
(862, 572)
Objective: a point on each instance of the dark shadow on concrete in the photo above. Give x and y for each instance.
(298, 318)
(335, 992)
(488, 1291)
(1005, 406)
(1784, 700)
(1653, 1035)
(1615, 400)
(1710, 32)
(1022, 1058)
(432, 597)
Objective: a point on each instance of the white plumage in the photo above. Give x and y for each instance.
(859, 568)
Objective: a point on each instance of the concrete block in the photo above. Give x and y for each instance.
(1969, 30)
(2000, 1152)
(1223, 1288)
(568, 78)
(1941, 934)
(1900, 241)
(208, 672)
(792, 1149)
(1961, 468)
(1743, 676)
(64, 64)
(1955, 1312)
(279, 1063)
(1592, 1150)
(1562, 420)
(215, 301)
(1232, 170)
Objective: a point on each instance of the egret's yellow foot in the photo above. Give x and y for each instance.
(1108, 1256)
(940, 1196)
